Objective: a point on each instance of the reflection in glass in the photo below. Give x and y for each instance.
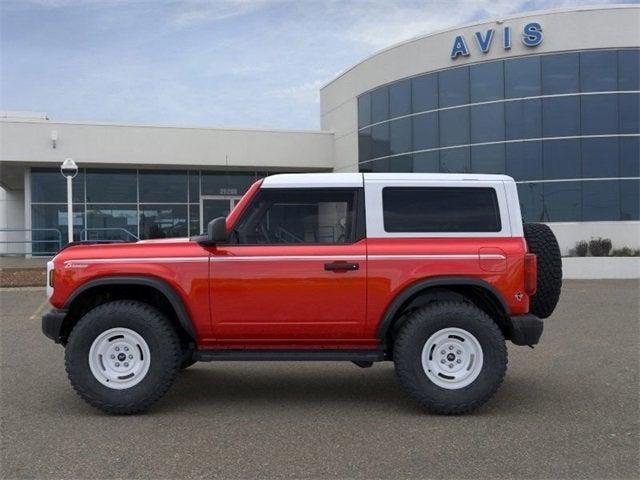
(380, 104)
(523, 119)
(48, 185)
(599, 114)
(524, 160)
(454, 127)
(561, 116)
(455, 160)
(562, 201)
(630, 200)
(364, 110)
(424, 93)
(400, 135)
(522, 77)
(599, 71)
(600, 157)
(111, 222)
(163, 221)
(380, 140)
(454, 87)
(428, 162)
(560, 73)
(561, 159)
(488, 158)
(487, 81)
(365, 145)
(109, 186)
(425, 131)
(163, 186)
(54, 217)
(487, 123)
(600, 200)
(400, 98)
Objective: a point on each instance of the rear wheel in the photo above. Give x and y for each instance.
(122, 356)
(542, 242)
(451, 357)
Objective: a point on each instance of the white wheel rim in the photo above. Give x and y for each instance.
(119, 358)
(452, 358)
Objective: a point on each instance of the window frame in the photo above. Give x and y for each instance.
(357, 233)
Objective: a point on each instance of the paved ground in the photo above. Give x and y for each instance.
(568, 409)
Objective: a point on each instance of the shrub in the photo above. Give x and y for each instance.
(600, 247)
(625, 252)
(581, 248)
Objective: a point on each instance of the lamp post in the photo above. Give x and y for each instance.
(69, 169)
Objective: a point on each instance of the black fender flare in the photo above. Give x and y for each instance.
(409, 291)
(163, 287)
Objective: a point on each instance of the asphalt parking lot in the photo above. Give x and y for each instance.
(568, 409)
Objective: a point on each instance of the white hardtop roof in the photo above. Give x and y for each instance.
(347, 180)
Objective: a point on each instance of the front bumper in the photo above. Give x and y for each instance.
(52, 324)
(526, 329)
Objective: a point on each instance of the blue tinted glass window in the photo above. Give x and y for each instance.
(454, 87)
(401, 163)
(630, 200)
(530, 195)
(426, 162)
(630, 157)
(163, 221)
(109, 186)
(425, 92)
(561, 116)
(629, 112)
(524, 160)
(560, 73)
(562, 201)
(454, 127)
(599, 114)
(365, 145)
(380, 140)
(364, 110)
(194, 186)
(48, 185)
(54, 217)
(400, 135)
(600, 200)
(600, 157)
(598, 71)
(523, 119)
(112, 222)
(629, 69)
(380, 105)
(400, 98)
(487, 81)
(376, 166)
(455, 160)
(487, 123)
(425, 131)
(522, 77)
(488, 158)
(163, 187)
(561, 159)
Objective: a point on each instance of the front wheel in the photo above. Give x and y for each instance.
(122, 356)
(451, 357)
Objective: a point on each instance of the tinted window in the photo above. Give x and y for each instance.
(219, 183)
(562, 201)
(630, 157)
(424, 92)
(194, 186)
(523, 119)
(112, 222)
(400, 135)
(598, 71)
(454, 87)
(299, 217)
(401, 163)
(600, 157)
(561, 116)
(163, 221)
(365, 145)
(381, 165)
(425, 131)
(426, 162)
(630, 200)
(530, 195)
(522, 77)
(379, 105)
(454, 127)
(600, 201)
(488, 158)
(599, 114)
(487, 123)
(629, 112)
(560, 73)
(364, 110)
(50, 186)
(440, 209)
(455, 160)
(629, 69)
(54, 217)
(524, 160)
(163, 187)
(487, 82)
(194, 220)
(380, 140)
(400, 98)
(112, 186)
(561, 159)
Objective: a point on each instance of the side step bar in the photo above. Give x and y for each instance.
(289, 355)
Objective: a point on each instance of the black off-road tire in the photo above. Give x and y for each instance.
(543, 243)
(412, 337)
(157, 332)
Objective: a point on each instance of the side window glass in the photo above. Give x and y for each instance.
(289, 217)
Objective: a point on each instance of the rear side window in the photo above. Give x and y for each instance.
(440, 209)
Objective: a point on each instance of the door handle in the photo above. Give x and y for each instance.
(341, 266)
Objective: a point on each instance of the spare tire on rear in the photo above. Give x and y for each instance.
(543, 243)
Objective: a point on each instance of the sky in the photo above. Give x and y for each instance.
(217, 63)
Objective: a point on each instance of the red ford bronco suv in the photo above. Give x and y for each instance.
(431, 271)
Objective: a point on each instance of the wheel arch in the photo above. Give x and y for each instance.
(169, 299)
(477, 291)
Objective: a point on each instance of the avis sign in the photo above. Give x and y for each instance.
(531, 37)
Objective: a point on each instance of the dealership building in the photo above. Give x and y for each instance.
(550, 98)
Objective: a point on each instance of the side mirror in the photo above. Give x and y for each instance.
(217, 230)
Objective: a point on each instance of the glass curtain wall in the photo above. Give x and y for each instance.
(565, 126)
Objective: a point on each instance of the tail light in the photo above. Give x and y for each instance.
(530, 273)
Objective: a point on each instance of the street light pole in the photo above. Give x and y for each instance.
(69, 169)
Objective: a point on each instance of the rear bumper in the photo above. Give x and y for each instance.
(52, 324)
(526, 329)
